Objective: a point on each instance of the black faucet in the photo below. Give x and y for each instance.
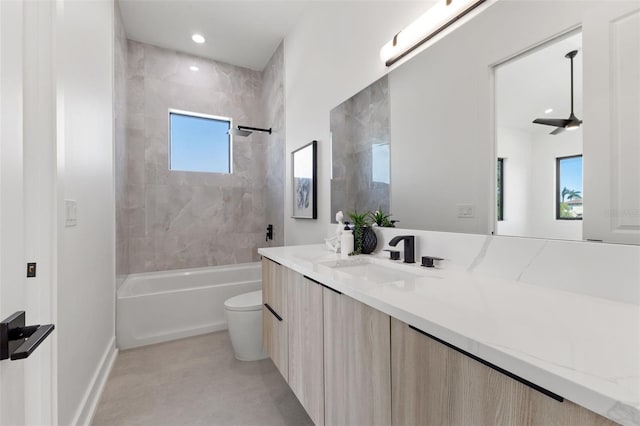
(409, 247)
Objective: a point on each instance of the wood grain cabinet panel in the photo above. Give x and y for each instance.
(304, 316)
(357, 376)
(274, 323)
(433, 384)
(274, 287)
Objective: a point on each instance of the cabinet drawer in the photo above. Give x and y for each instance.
(433, 384)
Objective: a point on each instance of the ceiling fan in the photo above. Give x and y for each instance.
(570, 123)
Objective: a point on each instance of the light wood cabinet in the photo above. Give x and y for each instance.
(304, 317)
(433, 384)
(274, 286)
(274, 324)
(357, 375)
(350, 364)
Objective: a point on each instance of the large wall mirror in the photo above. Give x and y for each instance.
(460, 127)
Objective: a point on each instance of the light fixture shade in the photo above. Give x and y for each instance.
(433, 21)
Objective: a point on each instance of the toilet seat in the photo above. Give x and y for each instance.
(245, 302)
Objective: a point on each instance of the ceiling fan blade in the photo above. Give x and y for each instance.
(555, 122)
(557, 131)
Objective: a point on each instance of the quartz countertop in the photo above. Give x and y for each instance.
(583, 348)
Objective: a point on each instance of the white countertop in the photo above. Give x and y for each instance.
(583, 348)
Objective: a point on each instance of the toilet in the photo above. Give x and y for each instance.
(244, 318)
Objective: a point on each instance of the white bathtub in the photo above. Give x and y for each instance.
(160, 306)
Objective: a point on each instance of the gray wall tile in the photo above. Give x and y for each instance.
(177, 219)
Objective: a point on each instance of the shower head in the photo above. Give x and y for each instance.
(246, 131)
(238, 132)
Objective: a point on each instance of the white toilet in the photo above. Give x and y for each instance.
(244, 318)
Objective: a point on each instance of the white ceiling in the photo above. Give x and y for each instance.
(529, 84)
(240, 32)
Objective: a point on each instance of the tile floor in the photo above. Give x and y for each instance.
(196, 381)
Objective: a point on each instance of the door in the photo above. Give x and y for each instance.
(27, 164)
(612, 142)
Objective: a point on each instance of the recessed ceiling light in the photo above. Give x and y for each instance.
(198, 38)
(548, 110)
(193, 68)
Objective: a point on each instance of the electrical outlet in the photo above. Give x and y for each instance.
(465, 210)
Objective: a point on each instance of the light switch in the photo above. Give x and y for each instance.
(465, 210)
(70, 213)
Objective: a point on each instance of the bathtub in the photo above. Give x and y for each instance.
(160, 306)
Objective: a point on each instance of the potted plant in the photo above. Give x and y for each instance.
(381, 219)
(364, 237)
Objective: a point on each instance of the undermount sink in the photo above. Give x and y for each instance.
(368, 270)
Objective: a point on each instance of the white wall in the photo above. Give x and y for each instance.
(86, 264)
(332, 53)
(515, 147)
(530, 186)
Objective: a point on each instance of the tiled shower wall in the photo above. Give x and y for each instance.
(273, 106)
(188, 219)
(357, 125)
(120, 137)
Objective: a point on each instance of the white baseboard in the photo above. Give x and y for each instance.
(87, 408)
(129, 342)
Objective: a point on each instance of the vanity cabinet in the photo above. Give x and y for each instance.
(357, 376)
(433, 384)
(306, 357)
(350, 364)
(274, 314)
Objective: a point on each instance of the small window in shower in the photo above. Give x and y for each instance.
(199, 143)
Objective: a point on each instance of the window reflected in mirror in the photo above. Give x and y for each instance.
(569, 188)
(380, 163)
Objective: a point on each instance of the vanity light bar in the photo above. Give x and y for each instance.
(435, 20)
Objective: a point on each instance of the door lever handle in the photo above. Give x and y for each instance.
(32, 342)
(18, 341)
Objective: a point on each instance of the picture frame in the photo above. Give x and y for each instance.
(304, 180)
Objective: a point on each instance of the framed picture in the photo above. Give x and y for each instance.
(304, 185)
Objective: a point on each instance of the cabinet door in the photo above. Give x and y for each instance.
(304, 318)
(274, 325)
(274, 287)
(357, 362)
(436, 385)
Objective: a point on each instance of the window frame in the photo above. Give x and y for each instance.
(199, 115)
(500, 195)
(558, 189)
